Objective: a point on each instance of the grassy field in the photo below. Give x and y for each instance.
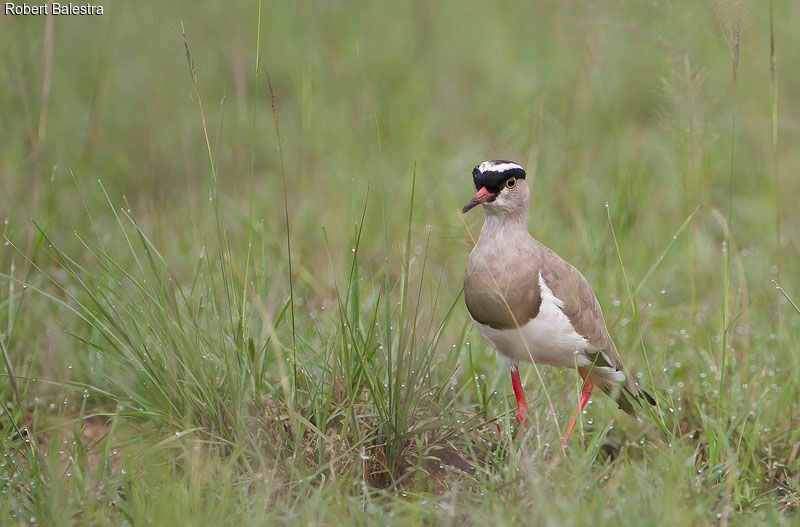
(230, 287)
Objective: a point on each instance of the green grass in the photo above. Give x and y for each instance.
(230, 291)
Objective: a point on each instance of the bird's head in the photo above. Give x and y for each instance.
(501, 188)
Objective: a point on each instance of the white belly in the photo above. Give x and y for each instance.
(549, 338)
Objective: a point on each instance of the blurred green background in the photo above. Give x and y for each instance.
(630, 104)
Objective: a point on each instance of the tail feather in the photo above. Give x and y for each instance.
(629, 402)
(617, 384)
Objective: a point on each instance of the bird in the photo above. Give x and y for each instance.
(530, 304)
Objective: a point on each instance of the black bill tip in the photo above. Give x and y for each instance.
(472, 203)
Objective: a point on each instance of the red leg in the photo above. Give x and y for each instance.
(522, 406)
(586, 394)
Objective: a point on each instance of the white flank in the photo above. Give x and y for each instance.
(490, 166)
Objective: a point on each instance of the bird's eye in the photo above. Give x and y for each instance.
(511, 182)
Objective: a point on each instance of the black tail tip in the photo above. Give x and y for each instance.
(625, 400)
(647, 396)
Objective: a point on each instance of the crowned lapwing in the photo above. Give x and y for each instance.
(529, 303)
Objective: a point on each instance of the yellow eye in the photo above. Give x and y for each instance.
(511, 182)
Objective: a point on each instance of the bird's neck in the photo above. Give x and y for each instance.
(504, 224)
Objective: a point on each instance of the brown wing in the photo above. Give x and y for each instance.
(583, 310)
(580, 303)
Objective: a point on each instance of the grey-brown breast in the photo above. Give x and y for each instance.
(501, 284)
(502, 298)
